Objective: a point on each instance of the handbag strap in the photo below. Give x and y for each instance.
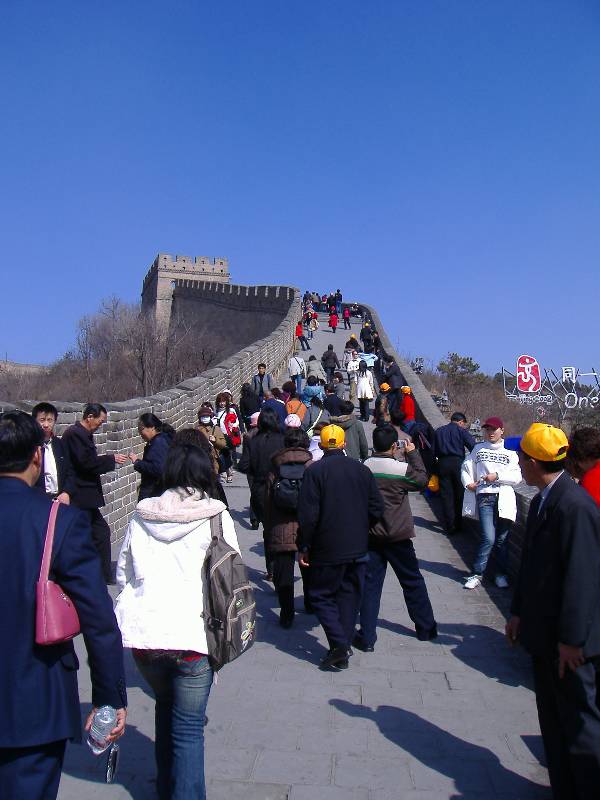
(45, 565)
(216, 527)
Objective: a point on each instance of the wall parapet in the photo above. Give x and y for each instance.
(178, 405)
(430, 413)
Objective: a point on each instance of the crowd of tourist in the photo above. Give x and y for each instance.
(326, 501)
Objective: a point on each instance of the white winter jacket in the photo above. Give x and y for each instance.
(365, 389)
(484, 458)
(159, 571)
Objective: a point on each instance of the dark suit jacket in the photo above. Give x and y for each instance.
(38, 684)
(557, 595)
(87, 465)
(66, 476)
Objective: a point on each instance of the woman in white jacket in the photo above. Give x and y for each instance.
(159, 611)
(365, 389)
(488, 474)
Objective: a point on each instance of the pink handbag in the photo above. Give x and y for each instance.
(56, 618)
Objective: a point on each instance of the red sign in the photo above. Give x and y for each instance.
(529, 376)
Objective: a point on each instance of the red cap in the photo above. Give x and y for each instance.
(493, 422)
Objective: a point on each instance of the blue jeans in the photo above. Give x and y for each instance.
(403, 560)
(181, 689)
(494, 535)
(298, 379)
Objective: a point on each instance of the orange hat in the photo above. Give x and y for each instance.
(385, 387)
(405, 389)
(545, 442)
(332, 437)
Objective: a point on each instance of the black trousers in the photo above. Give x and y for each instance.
(402, 558)
(335, 592)
(569, 714)
(451, 490)
(363, 404)
(101, 539)
(257, 507)
(31, 772)
(283, 579)
(347, 325)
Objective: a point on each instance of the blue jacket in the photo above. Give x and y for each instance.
(152, 465)
(451, 440)
(38, 684)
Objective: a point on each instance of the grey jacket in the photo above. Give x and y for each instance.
(356, 441)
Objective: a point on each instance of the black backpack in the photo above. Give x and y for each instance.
(286, 489)
(229, 606)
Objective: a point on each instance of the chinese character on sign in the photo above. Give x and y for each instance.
(569, 374)
(529, 377)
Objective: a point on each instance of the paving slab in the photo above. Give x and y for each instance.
(413, 720)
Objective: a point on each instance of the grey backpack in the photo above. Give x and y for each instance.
(229, 606)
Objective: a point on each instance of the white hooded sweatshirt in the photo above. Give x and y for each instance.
(159, 571)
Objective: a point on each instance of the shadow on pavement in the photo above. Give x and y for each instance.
(473, 768)
(444, 570)
(296, 641)
(241, 518)
(480, 647)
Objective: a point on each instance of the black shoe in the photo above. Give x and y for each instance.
(336, 657)
(428, 635)
(255, 524)
(359, 643)
(286, 619)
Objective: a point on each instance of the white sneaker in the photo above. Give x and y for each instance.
(501, 581)
(473, 582)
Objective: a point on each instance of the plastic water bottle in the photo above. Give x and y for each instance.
(103, 722)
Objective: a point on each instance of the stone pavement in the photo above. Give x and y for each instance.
(414, 720)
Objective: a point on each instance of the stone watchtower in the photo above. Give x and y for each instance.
(157, 290)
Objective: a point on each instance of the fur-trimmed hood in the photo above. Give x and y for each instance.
(176, 513)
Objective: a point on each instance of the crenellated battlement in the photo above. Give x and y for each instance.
(165, 270)
(216, 269)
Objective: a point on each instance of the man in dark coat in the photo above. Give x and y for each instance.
(56, 475)
(330, 362)
(38, 684)
(449, 444)
(556, 613)
(339, 500)
(390, 538)
(88, 467)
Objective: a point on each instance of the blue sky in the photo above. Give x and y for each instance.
(438, 160)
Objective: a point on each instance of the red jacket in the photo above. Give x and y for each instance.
(299, 331)
(407, 406)
(333, 320)
(591, 482)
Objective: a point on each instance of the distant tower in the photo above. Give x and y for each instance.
(157, 290)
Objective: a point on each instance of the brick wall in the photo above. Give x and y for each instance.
(428, 411)
(178, 406)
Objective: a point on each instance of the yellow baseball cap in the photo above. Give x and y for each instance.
(545, 442)
(332, 437)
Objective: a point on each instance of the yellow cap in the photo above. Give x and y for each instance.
(385, 387)
(405, 389)
(332, 437)
(545, 442)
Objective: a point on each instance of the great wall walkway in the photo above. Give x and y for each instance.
(411, 721)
